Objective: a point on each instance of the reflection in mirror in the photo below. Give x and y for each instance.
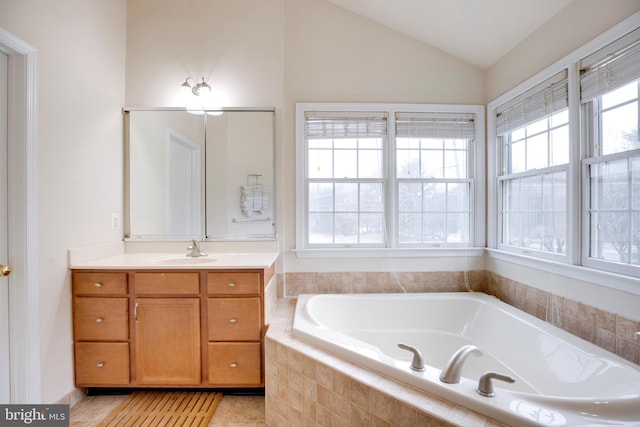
(199, 175)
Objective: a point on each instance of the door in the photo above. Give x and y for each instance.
(167, 341)
(183, 198)
(5, 385)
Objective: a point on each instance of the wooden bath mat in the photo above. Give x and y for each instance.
(162, 408)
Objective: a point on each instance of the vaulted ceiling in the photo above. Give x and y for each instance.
(477, 31)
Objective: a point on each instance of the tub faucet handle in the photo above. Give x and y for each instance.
(485, 387)
(418, 361)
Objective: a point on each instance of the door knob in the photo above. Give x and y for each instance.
(5, 270)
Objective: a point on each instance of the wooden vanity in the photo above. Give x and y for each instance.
(195, 327)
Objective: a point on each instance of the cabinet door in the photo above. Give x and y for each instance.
(167, 341)
(234, 319)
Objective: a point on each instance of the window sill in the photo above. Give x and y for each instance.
(619, 282)
(388, 253)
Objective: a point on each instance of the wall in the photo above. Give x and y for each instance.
(577, 24)
(81, 53)
(332, 55)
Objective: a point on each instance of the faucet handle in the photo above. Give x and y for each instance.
(485, 387)
(418, 361)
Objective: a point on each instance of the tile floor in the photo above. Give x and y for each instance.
(232, 411)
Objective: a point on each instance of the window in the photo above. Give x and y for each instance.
(387, 176)
(610, 93)
(533, 133)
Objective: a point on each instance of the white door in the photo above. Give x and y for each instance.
(5, 385)
(183, 175)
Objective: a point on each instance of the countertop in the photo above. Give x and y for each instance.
(175, 261)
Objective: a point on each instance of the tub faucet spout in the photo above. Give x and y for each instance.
(194, 250)
(451, 372)
(418, 362)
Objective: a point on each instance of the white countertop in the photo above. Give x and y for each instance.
(174, 261)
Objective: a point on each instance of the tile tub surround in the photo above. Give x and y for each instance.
(607, 330)
(308, 387)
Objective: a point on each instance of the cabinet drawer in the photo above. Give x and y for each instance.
(178, 283)
(235, 363)
(101, 363)
(234, 319)
(100, 319)
(99, 283)
(234, 283)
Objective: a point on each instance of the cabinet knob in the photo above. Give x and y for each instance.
(97, 285)
(233, 365)
(232, 285)
(100, 365)
(233, 320)
(99, 320)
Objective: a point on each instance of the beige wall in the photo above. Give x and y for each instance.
(578, 23)
(81, 52)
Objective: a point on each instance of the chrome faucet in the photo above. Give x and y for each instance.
(451, 372)
(195, 250)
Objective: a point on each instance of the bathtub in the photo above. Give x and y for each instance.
(560, 379)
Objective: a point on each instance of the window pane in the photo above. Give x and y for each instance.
(434, 228)
(431, 164)
(560, 146)
(458, 197)
(346, 164)
(320, 228)
(409, 227)
(537, 150)
(518, 157)
(635, 249)
(455, 164)
(346, 228)
(620, 129)
(408, 163)
(371, 228)
(537, 127)
(410, 198)
(370, 164)
(457, 228)
(346, 197)
(320, 164)
(320, 197)
(560, 118)
(371, 198)
(620, 95)
(434, 197)
(635, 184)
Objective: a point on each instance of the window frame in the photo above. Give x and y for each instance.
(579, 135)
(392, 248)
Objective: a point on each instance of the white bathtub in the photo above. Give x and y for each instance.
(561, 380)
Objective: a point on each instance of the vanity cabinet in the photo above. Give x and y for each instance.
(177, 328)
(235, 327)
(101, 329)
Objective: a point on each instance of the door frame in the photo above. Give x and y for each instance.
(24, 301)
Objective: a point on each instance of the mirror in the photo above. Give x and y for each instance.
(204, 176)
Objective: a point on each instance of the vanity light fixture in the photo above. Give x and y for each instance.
(196, 88)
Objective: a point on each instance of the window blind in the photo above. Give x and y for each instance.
(610, 67)
(345, 125)
(540, 101)
(435, 125)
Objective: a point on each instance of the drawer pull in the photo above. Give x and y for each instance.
(232, 285)
(100, 365)
(233, 365)
(233, 320)
(99, 320)
(97, 285)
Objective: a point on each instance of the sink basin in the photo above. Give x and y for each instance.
(185, 260)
